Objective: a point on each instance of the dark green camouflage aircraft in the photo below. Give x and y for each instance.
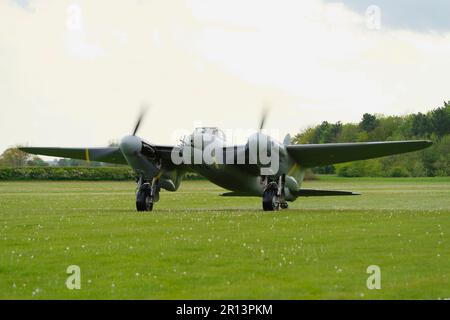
(262, 167)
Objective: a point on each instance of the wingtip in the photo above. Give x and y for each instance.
(421, 144)
(425, 144)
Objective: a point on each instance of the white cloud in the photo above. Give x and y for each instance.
(325, 53)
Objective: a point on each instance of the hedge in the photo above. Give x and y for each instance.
(66, 173)
(74, 173)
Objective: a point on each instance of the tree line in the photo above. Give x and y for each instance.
(433, 125)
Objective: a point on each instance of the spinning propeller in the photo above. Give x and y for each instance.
(144, 109)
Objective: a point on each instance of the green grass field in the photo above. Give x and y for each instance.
(198, 245)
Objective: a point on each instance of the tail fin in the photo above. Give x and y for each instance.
(287, 140)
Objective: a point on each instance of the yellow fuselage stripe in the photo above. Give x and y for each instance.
(293, 168)
(87, 155)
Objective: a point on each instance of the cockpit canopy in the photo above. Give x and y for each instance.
(206, 134)
(213, 131)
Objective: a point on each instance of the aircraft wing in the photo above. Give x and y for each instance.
(313, 155)
(110, 154)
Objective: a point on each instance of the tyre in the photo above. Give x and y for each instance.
(270, 200)
(144, 201)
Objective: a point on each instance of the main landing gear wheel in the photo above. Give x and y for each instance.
(273, 195)
(144, 199)
(270, 200)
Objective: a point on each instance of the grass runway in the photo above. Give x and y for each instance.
(198, 245)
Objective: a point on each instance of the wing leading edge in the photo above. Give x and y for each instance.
(312, 155)
(110, 154)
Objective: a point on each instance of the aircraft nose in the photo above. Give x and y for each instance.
(130, 145)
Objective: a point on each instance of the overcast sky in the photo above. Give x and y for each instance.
(73, 73)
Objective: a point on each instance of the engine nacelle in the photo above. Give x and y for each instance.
(138, 155)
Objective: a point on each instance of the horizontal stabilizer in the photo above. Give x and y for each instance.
(322, 193)
(110, 154)
(299, 193)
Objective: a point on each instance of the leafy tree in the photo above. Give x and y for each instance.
(13, 157)
(421, 125)
(440, 118)
(349, 133)
(304, 137)
(368, 122)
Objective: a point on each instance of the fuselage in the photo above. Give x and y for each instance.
(206, 143)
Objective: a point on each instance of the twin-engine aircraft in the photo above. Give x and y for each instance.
(263, 167)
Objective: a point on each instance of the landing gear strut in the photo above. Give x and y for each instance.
(147, 194)
(273, 195)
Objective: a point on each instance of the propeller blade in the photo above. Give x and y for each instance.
(264, 114)
(144, 109)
